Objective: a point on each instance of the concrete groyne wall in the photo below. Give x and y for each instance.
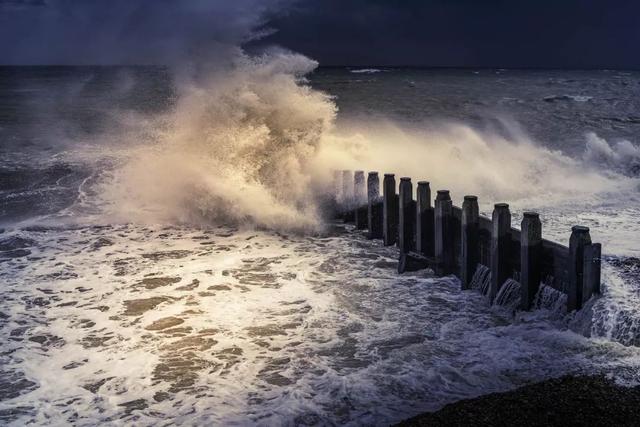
(459, 241)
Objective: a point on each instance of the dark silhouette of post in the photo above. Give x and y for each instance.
(360, 200)
(407, 214)
(424, 220)
(390, 210)
(334, 202)
(347, 196)
(470, 244)
(443, 233)
(374, 206)
(337, 183)
(579, 239)
(592, 272)
(530, 252)
(500, 240)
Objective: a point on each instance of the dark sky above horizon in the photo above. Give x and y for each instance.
(470, 33)
(459, 33)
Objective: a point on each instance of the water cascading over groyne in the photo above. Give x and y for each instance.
(508, 265)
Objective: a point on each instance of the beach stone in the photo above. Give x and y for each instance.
(566, 401)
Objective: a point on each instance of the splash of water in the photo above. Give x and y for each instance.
(254, 143)
(509, 295)
(495, 166)
(550, 299)
(622, 156)
(481, 279)
(615, 316)
(238, 147)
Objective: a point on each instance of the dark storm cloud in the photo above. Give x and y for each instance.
(515, 33)
(126, 31)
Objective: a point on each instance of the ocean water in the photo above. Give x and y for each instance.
(110, 317)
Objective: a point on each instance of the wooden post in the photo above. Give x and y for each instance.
(406, 216)
(530, 251)
(579, 239)
(360, 200)
(390, 210)
(500, 240)
(374, 206)
(592, 254)
(337, 183)
(470, 243)
(424, 220)
(443, 233)
(335, 200)
(359, 188)
(347, 196)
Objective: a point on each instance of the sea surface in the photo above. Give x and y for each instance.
(109, 320)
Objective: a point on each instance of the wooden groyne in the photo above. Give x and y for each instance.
(458, 241)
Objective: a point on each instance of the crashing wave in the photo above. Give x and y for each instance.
(622, 156)
(238, 147)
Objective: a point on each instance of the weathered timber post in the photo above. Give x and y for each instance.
(470, 243)
(406, 216)
(424, 220)
(335, 199)
(500, 240)
(443, 233)
(592, 254)
(390, 209)
(347, 196)
(374, 206)
(360, 200)
(579, 239)
(530, 251)
(359, 188)
(337, 184)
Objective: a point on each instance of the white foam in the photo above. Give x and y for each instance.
(305, 328)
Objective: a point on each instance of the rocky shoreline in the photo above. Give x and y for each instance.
(566, 401)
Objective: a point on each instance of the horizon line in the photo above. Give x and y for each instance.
(369, 66)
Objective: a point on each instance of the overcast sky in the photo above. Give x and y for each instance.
(504, 33)
(471, 33)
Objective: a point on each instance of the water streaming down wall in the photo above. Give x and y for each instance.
(547, 297)
(550, 299)
(509, 295)
(481, 279)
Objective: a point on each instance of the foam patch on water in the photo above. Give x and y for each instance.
(225, 326)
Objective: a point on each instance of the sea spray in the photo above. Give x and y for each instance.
(506, 165)
(253, 143)
(239, 148)
(615, 315)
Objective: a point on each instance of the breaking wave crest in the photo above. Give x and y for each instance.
(237, 147)
(622, 156)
